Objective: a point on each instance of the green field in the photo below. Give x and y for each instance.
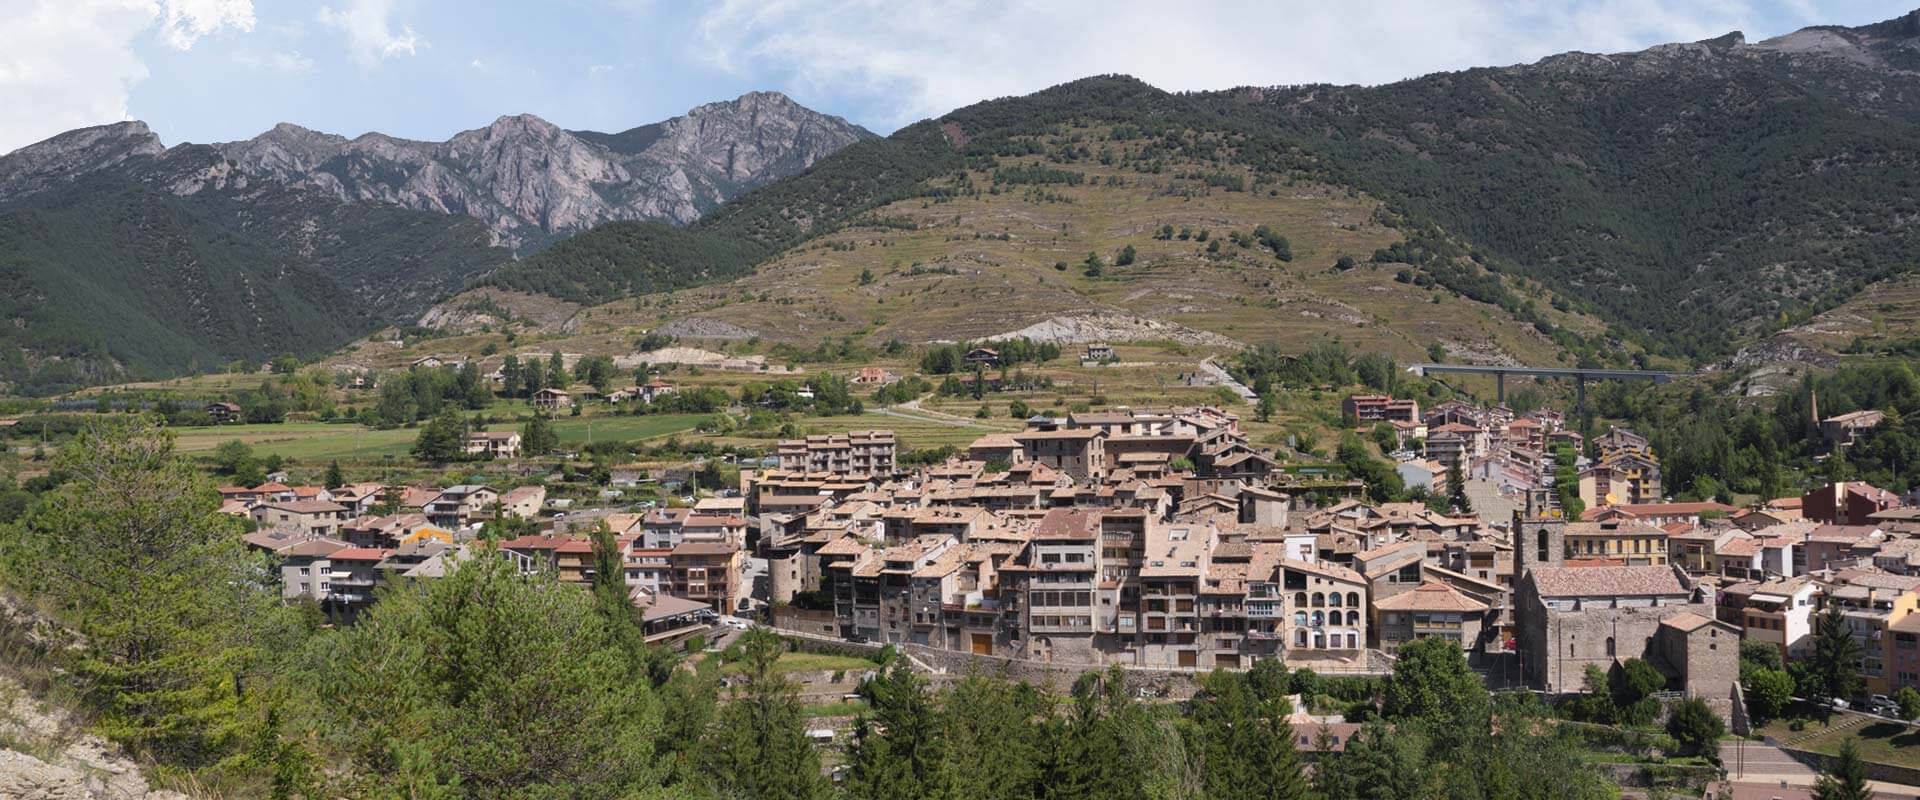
(577, 430)
(320, 441)
(1878, 741)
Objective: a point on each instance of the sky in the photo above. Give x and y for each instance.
(219, 70)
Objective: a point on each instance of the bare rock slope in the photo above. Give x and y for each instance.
(531, 181)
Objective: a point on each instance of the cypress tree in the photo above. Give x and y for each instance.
(1836, 656)
(1848, 778)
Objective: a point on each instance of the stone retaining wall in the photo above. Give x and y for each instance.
(1890, 773)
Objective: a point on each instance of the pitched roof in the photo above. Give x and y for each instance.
(361, 554)
(1431, 596)
(1609, 581)
(1068, 523)
(1686, 621)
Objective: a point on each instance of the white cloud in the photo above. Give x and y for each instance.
(599, 69)
(292, 61)
(185, 21)
(476, 63)
(924, 59)
(67, 64)
(369, 31)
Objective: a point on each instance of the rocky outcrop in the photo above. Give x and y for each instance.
(73, 154)
(1108, 327)
(531, 181)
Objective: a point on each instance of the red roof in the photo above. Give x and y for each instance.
(361, 554)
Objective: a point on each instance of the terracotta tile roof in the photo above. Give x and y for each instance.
(1686, 621)
(1606, 581)
(1431, 596)
(1069, 523)
(1841, 534)
(313, 547)
(361, 554)
(308, 506)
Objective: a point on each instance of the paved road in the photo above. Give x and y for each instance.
(1226, 379)
(929, 415)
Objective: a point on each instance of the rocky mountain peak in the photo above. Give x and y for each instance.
(514, 124)
(532, 181)
(73, 154)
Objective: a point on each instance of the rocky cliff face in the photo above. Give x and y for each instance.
(531, 181)
(73, 154)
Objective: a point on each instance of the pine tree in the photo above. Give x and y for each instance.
(443, 438)
(534, 373)
(1108, 747)
(133, 552)
(510, 376)
(1848, 778)
(1457, 489)
(335, 478)
(1244, 744)
(513, 688)
(992, 742)
(537, 437)
(897, 747)
(758, 746)
(1836, 656)
(557, 371)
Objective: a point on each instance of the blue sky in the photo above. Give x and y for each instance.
(214, 70)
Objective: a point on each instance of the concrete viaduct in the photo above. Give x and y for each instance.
(1579, 376)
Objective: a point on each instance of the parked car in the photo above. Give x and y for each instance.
(857, 638)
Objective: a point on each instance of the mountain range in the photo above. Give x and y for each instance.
(532, 182)
(124, 258)
(1669, 206)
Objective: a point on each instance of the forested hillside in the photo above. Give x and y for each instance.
(1694, 196)
(169, 263)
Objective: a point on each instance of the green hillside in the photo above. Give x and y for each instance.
(125, 275)
(1694, 197)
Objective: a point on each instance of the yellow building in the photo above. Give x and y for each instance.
(1636, 544)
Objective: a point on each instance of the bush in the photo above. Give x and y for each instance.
(1697, 728)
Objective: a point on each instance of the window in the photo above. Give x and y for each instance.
(1541, 546)
(1353, 599)
(1319, 600)
(1609, 645)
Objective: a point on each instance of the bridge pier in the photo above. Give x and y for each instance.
(1500, 387)
(1580, 393)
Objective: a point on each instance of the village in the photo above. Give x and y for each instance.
(1160, 538)
(1171, 540)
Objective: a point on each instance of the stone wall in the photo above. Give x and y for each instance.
(1890, 773)
(1158, 681)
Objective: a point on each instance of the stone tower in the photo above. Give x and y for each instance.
(1537, 541)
